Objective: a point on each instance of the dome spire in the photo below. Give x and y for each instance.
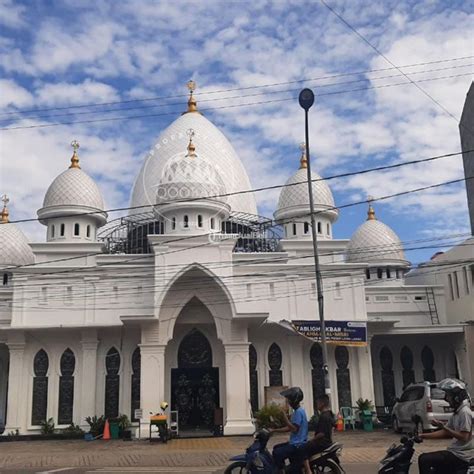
(303, 159)
(5, 213)
(192, 103)
(370, 212)
(191, 146)
(75, 157)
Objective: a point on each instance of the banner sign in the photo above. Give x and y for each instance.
(344, 333)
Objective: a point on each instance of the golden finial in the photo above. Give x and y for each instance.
(370, 212)
(75, 158)
(191, 145)
(303, 159)
(192, 104)
(5, 212)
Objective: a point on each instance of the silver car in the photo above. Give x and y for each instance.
(423, 399)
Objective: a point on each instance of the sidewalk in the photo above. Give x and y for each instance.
(359, 447)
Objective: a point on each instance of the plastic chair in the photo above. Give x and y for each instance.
(348, 417)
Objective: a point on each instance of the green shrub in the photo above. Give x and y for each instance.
(364, 404)
(96, 424)
(47, 426)
(73, 430)
(269, 416)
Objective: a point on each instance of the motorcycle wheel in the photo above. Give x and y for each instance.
(329, 467)
(237, 467)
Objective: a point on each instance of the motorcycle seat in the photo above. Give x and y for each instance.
(330, 449)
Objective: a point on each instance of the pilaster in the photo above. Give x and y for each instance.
(238, 409)
(89, 374)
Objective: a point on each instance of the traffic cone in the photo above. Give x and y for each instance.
(339, 423)
(106, 430)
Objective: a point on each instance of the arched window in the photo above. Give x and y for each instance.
(5, 279)
(40, 388)
(88, 231)
(379, 273)
(294, 229)
(173, 223)
(343, 377)
(253, 378)
(367, 273)
(77, 229)
(320, 229)
(213, 223)
(53, 229)
(317, 372)
(406, 359)
(66, 388)
(275, 361)
(328, 229)
(389, 273)
(112, 383)
(186, 221)
(62, 230)
(388, 379)
(136, 373)
(427, 358)
(199, 220)
(306, 227)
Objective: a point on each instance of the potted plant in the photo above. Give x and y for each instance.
(269, 416)
(124, 426)
(96, 425)
(364, 406)
(73, 431)
(47, 427)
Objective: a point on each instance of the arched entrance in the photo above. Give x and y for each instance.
(195, 383)
(388, 379)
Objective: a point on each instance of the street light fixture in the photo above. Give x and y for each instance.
(306, 100)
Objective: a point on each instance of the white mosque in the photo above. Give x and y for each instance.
(195, 299)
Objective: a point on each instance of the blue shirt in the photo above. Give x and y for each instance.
(299, 418)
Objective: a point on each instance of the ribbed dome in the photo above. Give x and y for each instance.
(295, 197)
(14, 247)
(74, 187)
(212, 147)
(375, 241)
(186, 176)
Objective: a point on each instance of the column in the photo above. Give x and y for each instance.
(17, 389)
(89, 376)
(366, 376)
(152, 382)
(238, 409)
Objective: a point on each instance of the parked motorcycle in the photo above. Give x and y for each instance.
(258, 459)
(398, 458)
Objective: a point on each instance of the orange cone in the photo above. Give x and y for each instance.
(106, 430)
(339, 423)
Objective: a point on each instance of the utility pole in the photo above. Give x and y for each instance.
(306, 100)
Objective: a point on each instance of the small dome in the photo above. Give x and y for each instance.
(294, 198)
(74, 187)
(375, 242)
(14, 247)
(190, 176)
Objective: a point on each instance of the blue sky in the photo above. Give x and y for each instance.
(64, 53)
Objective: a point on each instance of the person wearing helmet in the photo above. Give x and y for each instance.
(459, 427)
(297, 426)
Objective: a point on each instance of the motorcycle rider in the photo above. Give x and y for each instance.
(297, 426)
(322, 434)
(461, 451)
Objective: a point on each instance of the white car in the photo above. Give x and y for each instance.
(423, 399)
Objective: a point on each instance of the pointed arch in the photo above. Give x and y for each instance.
(194, 351)
(275, 360)
(253, 360)
(112, 383)
(40, 387)
(427, 359)
(406, 359)
(179, 292)
(317, 372)
(343, 377)
(67, 366)
(388, 378)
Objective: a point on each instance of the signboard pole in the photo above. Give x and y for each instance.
(306, 100)
(138, 415)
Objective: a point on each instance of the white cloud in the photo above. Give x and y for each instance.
(14, 95)
(11, 14)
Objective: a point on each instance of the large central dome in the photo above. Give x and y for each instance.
(213, 147)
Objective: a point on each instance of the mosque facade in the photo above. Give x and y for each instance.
(195, 299)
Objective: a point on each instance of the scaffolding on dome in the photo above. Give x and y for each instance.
(129, 234)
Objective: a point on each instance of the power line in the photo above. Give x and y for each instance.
(254, 190)
(241, 96)
(262, 102)
(363, 38)
(198, 95)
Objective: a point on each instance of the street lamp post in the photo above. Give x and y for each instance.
(306, 100)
